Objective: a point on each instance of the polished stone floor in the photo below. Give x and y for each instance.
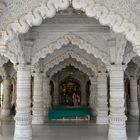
(71, 131)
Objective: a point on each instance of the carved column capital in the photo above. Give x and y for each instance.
(118, 67)
(23, 67)
(93, 80)
(133, 77)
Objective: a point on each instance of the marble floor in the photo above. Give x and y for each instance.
(71, 131)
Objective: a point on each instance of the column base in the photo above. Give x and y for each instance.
(23, 132)
(38, 120)
(117, 128)
(5, 113)
(117, 134)
(30, 138)
(102, 120)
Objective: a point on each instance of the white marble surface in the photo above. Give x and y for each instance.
(71, 131)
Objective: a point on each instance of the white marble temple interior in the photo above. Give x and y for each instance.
(69, 69)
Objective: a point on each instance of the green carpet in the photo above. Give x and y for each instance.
(58, 112)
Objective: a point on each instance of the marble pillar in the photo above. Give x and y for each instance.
(83, 94)
(102, 105)
(23, 127)
(37, 110)
(93, 95)
(5, 112)
(56, 94)
(46, 95)
(13, 102)
(117, 118)
(134, 109)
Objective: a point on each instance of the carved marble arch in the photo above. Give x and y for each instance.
(74, 40)
(67, 55)
(66, 63)
(48, 9)
(70, 62)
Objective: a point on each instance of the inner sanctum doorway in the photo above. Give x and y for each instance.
(70, 92)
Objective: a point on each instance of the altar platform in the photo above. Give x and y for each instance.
(69, 113)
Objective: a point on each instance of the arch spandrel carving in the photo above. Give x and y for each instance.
(3, 60)
(75, 40)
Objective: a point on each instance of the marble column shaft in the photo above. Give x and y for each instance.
(23, 127)
(6, 97)
(56, 94)
(93, 95)
(46, 95)
(102, 105)
(83, 94)
(37, 110)
(117, 118)
(13, 102)
(134, 109)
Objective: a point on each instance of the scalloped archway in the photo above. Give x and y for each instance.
(71, 54)
(9, 55)
(62, 64)
(74, 40)
(48, 9)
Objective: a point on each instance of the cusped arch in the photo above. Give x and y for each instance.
(48, 9)
(74, 40)
(67, 55)
(3, 60)
(4, 57)
(129, 57)
(68, 62)
(11, 56)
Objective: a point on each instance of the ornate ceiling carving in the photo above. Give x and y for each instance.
(74, 40)
(93, 8)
